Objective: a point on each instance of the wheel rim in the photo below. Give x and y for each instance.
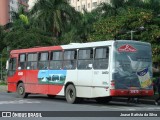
(21, 90)
(71, 93)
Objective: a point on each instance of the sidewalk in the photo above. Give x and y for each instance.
(3, 88)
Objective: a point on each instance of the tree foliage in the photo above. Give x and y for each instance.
(54, 22)
(2, 35)
(53, 15)
(25, 38)
(117, 21)
(117, 26)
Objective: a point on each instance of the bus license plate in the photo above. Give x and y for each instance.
(134, 91)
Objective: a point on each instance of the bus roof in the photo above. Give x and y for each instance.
(73, 46)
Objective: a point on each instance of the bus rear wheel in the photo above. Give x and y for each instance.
(103, 99)
(70, 94)
(21, 91)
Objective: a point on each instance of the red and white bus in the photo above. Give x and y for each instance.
(97, 70)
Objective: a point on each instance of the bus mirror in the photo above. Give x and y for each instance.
(7, 65)
(28, 68)
(90, 65)
(19, 68)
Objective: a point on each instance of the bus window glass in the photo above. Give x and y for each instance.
(57, 55)
(85, 58)
(12, 67)
(32, 57)
(22, 57)
(43, 61)
(56, 60)
(101, 58)
(70, 59)
(32, 61)
(43, 56)
(85, 54)
(22, 61)
(132, 66)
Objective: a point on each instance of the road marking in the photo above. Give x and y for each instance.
(18, 102)
(153, 108)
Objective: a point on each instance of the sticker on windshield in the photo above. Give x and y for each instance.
(127, 48)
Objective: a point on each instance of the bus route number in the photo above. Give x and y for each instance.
(20, 73)
(134, 91)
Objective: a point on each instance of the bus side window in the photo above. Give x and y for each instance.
(43, 60)
(56, 60)
(32, 61)
(22, 61)
(70, 57)
(101, 58)
(85, 58)
(12, 67)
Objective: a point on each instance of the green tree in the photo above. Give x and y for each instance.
(25, 38)
(20, 19)
(23, 35)
(153, 5)
(2, 35)
(79, 32)
(126, 20)
(53, 15)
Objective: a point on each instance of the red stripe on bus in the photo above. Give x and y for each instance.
(122, 92)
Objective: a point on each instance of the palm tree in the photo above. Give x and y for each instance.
(111, 9)
(86, 23)
(53, 15)
(117, 3)
(105, 10)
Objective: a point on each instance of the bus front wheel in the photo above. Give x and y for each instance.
(21, 91)
(70, 94)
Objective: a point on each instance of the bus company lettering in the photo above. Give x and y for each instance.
(127, 48)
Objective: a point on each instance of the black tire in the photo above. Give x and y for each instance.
(21, 91)
(51, 96)
(70, 94)
(103, 99)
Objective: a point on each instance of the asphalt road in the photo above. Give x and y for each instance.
(10, 102)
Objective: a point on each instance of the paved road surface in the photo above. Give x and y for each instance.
(10, 102)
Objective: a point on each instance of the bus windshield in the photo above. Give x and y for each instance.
(133, 66)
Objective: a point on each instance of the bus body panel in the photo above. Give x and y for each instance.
(84, 91)
(132, 69)
(89, 83)
(71, 77)
(102, 78)
(100, 92)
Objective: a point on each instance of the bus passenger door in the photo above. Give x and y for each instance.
(101, 72)
(12, 77)
(84, 73)
(84, 82)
